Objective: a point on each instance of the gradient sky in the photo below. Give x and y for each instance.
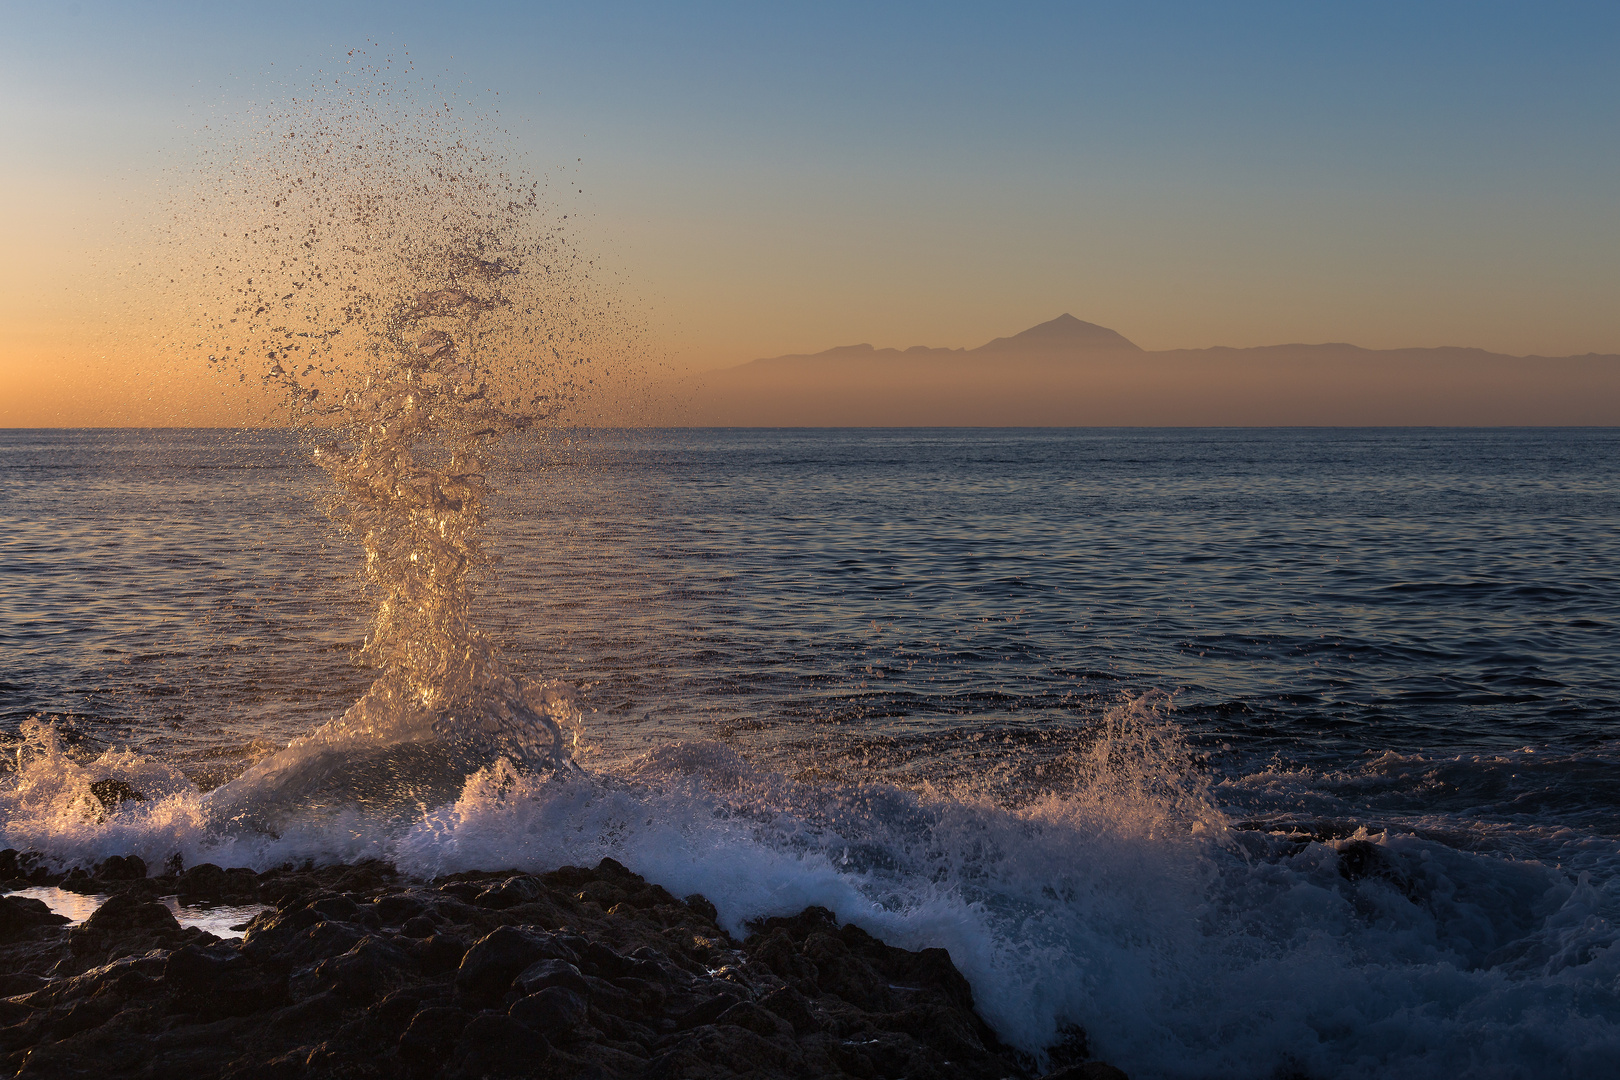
(768, 180)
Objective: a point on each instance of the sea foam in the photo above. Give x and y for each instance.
(1124, 902)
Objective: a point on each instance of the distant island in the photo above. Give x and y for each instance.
(1068, 372)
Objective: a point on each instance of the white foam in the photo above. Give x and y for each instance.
(1124, 903)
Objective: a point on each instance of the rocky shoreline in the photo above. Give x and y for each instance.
(356, 971)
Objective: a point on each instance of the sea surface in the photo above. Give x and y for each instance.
(1255, 753)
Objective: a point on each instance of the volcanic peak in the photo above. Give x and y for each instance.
(1063, 332)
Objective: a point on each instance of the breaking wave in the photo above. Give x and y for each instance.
(1122, 900)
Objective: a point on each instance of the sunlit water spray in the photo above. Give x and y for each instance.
(408, 456)
(404, 293)
(360, 260)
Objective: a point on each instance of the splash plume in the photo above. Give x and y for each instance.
(401, 291)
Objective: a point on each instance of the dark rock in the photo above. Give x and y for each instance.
(321, 941)
(653, 989)
(336, 907)
(366, 972)
(706, 1012)
(20, 982)
(617, 871)
(334, 1058)
(447, 909)
(241, 885)
(567, 878)
(20, 914)
(610, 998)
(434, 1030)
(727, 1049)
(394, 1012)
(841, 972)
(930, 969)
(203, 969)
(397, 909)
(493, 1045)
(80, 882)
(598, 959)
(114, 793)
(1073, 1047)
(556, 1011)
(953, 1033)
(440, 953)
(217, 981)
(916, 1007)
(793, 1007)
(34, 868)
(887, 1053)
(465, 891)
(605, 893)
(489, 967)
(8, 864)
(125, 975)
(121, 868)
(655, 964)
(510, 893)
(646, 994)
(779, 952)
(801, 925)
(286, 884)
(208, 882)
(205, 881)
(270, 932)
(365, 875)
(547, 973)
(746, 1014)
(286, 916)
(700, 904)
(127, 925)
(651, 896)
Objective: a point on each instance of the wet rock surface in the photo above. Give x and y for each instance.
(357, 972)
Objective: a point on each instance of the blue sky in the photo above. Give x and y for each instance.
(774, 178)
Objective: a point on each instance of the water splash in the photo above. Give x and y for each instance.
(399, 288)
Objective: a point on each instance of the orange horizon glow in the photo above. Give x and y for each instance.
(775, 185)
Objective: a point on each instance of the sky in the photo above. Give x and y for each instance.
(770, 179)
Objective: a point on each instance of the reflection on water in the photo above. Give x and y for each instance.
(75, 906)
(220, 920)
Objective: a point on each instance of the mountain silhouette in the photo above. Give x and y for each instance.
(1063, 332)
(1068, 372)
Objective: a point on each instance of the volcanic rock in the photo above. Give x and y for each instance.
(121, 868)
(357, 973)
(554, 1010)
(19, 914)
(489, 967)
(127, 925)
(112, 793)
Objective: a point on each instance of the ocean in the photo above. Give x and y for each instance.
(1254, 752)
